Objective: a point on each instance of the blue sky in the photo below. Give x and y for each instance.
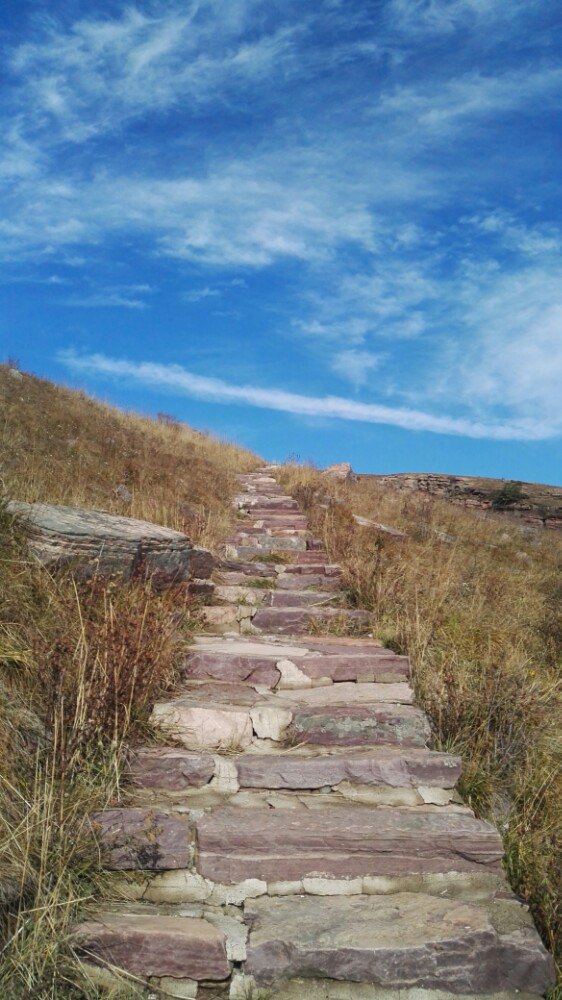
(325, 228)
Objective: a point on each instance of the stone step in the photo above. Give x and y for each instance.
(293, 665)
(148, 945)
(262, 597)
(287, 520)
(277, 581)
(260, 531)
(233, 717)
(403, 942)
(307, 566)
(291, 837)
(271, 504)
(343, 842)
(293, 581)
(302, 768)
(315, 556)
(287, 621)
(260, 545)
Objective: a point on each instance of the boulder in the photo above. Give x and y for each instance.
(95, 543)
(341, 470)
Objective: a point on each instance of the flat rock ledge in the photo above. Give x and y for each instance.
(95, 543)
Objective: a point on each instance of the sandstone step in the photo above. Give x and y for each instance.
(248, 501)
(394, 725)
(269, 520)
(292, 581)
(290, 665)
(316, 568)
(406, 941)
(315, 556)
(231, 717)
(230, 578)
(260, 545)
(302, 768)
(183, 948)
(260, 531)
(294, 620)
(343, 842)
(299, 598)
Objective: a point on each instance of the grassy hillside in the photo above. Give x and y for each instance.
(80, 665)
(477, 604)
(533, 503)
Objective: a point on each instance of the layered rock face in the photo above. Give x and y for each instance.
(94, 543)
(294, 836)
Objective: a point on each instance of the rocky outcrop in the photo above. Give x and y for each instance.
(539, 505)
(94, 543)
(341, 471)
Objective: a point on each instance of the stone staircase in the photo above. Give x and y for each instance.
(295, 838)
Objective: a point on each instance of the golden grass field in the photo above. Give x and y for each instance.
(81, 665)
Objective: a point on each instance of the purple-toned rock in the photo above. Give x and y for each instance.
(319, 568)
(290, 581)
(394, 769)
(381, 669)
(284, 844)
(154, 945)
(223, 666)
(143, 838)
(170, 768)
(108, 545)
(285, 621)
(298, 599)
(361, 725)
(315, 557)
(405, 941)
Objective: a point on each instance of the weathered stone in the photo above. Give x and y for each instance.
(365, 522)
(342, 842)
(286, 621)
(341, 470)
(348, 667)
(361, 725)
(403, 941)
(347, 693)
(226, 667)
(204, 728)
(170, 768)
(95, 543)
(143, 838)
(298, 599)
(292, 581)
(180, 947)
(396, 769)
(270, 723)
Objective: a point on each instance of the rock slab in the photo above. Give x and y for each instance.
(95, 543)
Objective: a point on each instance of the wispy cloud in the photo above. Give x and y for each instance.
(124, 296)
(176, 379)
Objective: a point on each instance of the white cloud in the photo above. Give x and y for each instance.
(176, 379)
(125, 296)
(356, 366)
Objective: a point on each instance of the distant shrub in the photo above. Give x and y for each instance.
(509, 494)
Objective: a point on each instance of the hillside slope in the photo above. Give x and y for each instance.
(533, 503)
(81, 663)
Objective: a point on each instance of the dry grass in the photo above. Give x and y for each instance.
(81, 665)
(58, 445)
(481, 620)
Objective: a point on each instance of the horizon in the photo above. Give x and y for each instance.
(320, 229)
